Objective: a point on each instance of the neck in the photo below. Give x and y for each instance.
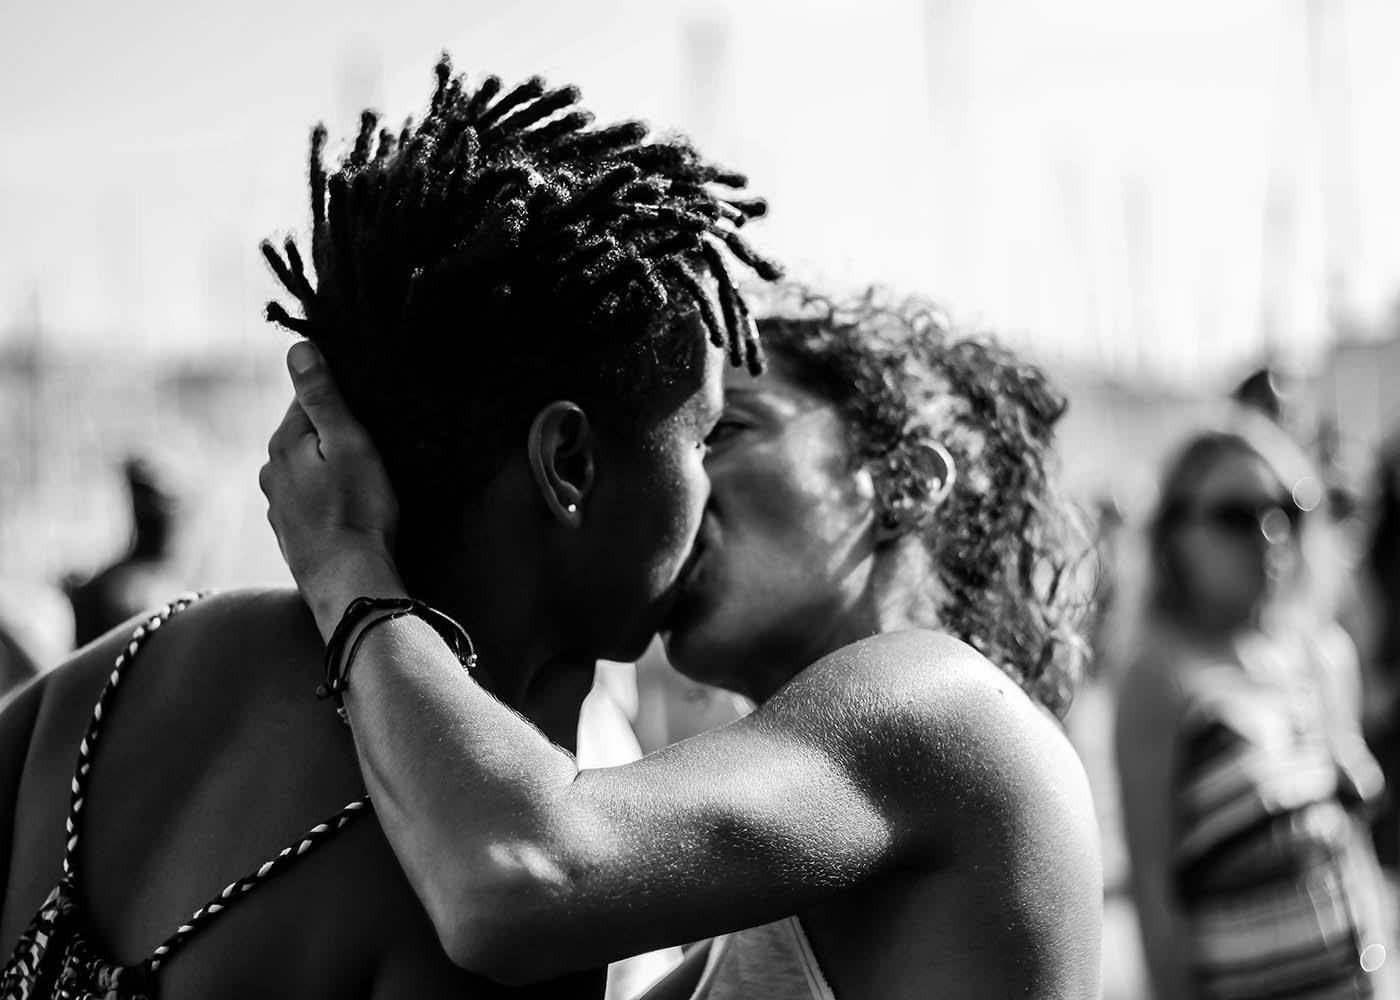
(521, 658)
(149, 545)
(1219, 624)
(859, 621)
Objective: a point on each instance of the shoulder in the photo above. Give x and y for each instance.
(920, 684)
(247, 630)
(894, 673)
(1167, 675)
(924, 719)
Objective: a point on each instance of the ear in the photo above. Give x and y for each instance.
(932, 464)
(561, 455)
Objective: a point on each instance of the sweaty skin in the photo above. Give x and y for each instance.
(928, 822)
(215, 756)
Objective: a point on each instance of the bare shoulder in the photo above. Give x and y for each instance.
(1155, 682)
(981, 790)
(922, 690)
(220, 620)
(241, 622)
(925, 719)
(225, 642)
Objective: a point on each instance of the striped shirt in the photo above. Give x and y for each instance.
(1272, 862)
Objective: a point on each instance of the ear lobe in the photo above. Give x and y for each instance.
(931, 465)
(560, 449)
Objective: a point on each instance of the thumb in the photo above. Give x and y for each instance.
(318, 395)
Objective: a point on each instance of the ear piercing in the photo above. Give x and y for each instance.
(572, 508)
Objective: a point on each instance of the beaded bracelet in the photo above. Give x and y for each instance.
(363, 614)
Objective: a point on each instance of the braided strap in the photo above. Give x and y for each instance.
(237, 890)
(88, 747)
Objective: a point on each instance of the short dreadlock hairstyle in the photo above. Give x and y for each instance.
(1001, 544)
(501, 253)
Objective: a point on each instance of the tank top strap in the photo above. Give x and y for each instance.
(87, 749)
(240, 888)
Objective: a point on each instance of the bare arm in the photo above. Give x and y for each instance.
(1146, 750)
(529, 866)
(881, 756)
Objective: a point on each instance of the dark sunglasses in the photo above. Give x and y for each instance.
(1275, 519)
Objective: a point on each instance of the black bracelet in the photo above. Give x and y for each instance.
(383, 609)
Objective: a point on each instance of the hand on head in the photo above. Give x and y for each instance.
(329, 498)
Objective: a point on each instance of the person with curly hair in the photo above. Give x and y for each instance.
(519, 307)
(881, 566)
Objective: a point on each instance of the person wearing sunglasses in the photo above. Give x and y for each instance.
(1244, 777)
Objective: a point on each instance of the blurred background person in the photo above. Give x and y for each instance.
(144, 577)
(16, 665)
(36, 631)
(1243, 774)
(1375, 622)
(1265, 390)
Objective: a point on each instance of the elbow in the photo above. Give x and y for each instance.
(500, 919)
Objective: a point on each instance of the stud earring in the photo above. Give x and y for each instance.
(572, 508)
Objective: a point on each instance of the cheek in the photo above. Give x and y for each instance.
(675, 504)
(1222, 564)
(794, 514)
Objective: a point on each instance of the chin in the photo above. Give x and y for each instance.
(630, 647)
(695, 651)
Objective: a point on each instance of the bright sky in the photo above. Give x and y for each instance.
(1097, 179)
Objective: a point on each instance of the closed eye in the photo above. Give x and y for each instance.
(723, 431)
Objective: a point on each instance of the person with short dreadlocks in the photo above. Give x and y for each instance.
(884, 566)
(530, 316)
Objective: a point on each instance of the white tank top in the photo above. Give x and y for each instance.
(774, 961)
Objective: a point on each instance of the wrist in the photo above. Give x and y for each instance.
(330, 590)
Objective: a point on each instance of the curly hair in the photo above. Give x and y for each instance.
(500, 254)
(1001, 542)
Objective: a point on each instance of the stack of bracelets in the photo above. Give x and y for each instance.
(362, 615)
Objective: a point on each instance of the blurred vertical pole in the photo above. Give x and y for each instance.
(948, 71)
(1071, 189)
(1137, 233)
(1278, 234)
(36, 376)
(1330, 108)
(33, 361)
(707, 71)
(1283, 274)
(1330, 92)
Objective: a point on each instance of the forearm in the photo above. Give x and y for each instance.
(462, 785)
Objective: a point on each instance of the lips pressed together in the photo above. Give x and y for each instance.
(687, 593)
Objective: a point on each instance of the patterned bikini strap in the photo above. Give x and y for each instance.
(234, 891)
(237, 890)
(88, 748)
